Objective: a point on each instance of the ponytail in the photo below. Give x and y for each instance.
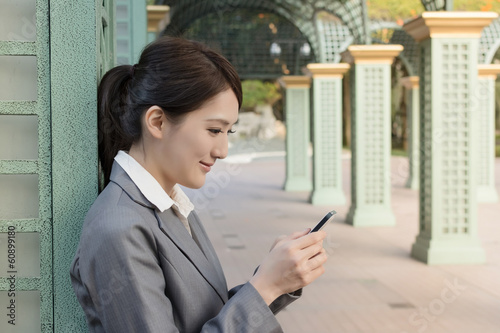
(113, 106)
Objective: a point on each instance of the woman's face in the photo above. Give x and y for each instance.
(190, 148)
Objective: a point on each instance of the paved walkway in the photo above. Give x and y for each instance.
(371, 283)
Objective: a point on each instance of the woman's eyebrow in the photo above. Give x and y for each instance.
(222, 121)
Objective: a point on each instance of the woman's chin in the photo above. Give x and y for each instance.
(194, 184)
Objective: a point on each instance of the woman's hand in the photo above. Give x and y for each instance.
(294, 262)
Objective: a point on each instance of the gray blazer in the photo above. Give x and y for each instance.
(138, 270)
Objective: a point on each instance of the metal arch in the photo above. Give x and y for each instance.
(437, 5)
(354, 15)
(409, 55)
(300, 12)
(334, 38)
(183, 13)
(489, 42)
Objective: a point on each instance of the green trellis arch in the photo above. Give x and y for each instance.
(302, 13)
(489, 42)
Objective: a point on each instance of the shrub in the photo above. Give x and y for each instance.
(256, 92)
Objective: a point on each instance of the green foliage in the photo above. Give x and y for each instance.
(399, 152)
(400, 11)
(394, 10)
(477, 5)
(257, 92)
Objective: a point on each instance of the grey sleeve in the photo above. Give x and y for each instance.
(245, 312)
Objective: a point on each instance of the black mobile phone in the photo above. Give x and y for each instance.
(321, 224)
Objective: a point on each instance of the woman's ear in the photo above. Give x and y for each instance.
(154, 121)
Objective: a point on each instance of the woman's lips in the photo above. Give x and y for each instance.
(206, 166)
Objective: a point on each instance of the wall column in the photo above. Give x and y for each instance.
(82, 41)
(131, 34)
(158, 19)
(413, 111)
(371, 135)
(485, 94)
(327, 133)
(297, 105)
(448, 43)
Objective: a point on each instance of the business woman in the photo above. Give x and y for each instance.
(144, 262)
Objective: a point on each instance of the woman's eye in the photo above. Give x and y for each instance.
(215, 130)
(218, 130)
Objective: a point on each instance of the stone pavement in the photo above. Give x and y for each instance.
(371, 283)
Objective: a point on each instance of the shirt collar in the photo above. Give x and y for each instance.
(150, 187)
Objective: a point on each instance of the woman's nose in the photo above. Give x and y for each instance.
(221, 147)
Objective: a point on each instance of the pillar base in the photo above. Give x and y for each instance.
(443, 252)
(327, 197)
(370, 217)
(297, 185)
(487, 194)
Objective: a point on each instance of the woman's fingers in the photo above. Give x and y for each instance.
(310, 239)
(318, 259)
(299, 234)
(311, 251)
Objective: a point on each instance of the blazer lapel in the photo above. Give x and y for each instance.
(201, 238)
(173, 228)
(199, 252)
(121, 178)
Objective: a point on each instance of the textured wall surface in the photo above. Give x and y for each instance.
(74, 67)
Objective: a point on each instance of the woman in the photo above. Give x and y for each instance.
(144, 263)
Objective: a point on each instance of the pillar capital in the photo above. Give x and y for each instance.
(449, 25)
(295, 81)
(328, 70)
(488, 71)
(410, 82)
(158, 17)
(374, 54)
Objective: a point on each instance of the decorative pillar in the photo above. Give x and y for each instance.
(371, 135)
(485, 106)
(327, 133)
(131, 31)
(26, 220)
(413, 110)
(82, 49)
(448, 43)
(158, 19)
(297, 105)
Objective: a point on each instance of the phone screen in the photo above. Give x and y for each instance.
(321, 224)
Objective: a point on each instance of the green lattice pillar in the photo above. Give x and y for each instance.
(371, 135)
(81, 44)
(131, 30)
(327, 133)
(448, 44)
(485, 106)
(297, 106)
(413, 110)
(26, 268)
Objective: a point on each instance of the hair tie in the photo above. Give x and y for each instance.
(132, 70)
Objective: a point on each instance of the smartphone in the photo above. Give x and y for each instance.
(321, 224)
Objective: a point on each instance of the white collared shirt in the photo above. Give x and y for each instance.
(153, 191)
